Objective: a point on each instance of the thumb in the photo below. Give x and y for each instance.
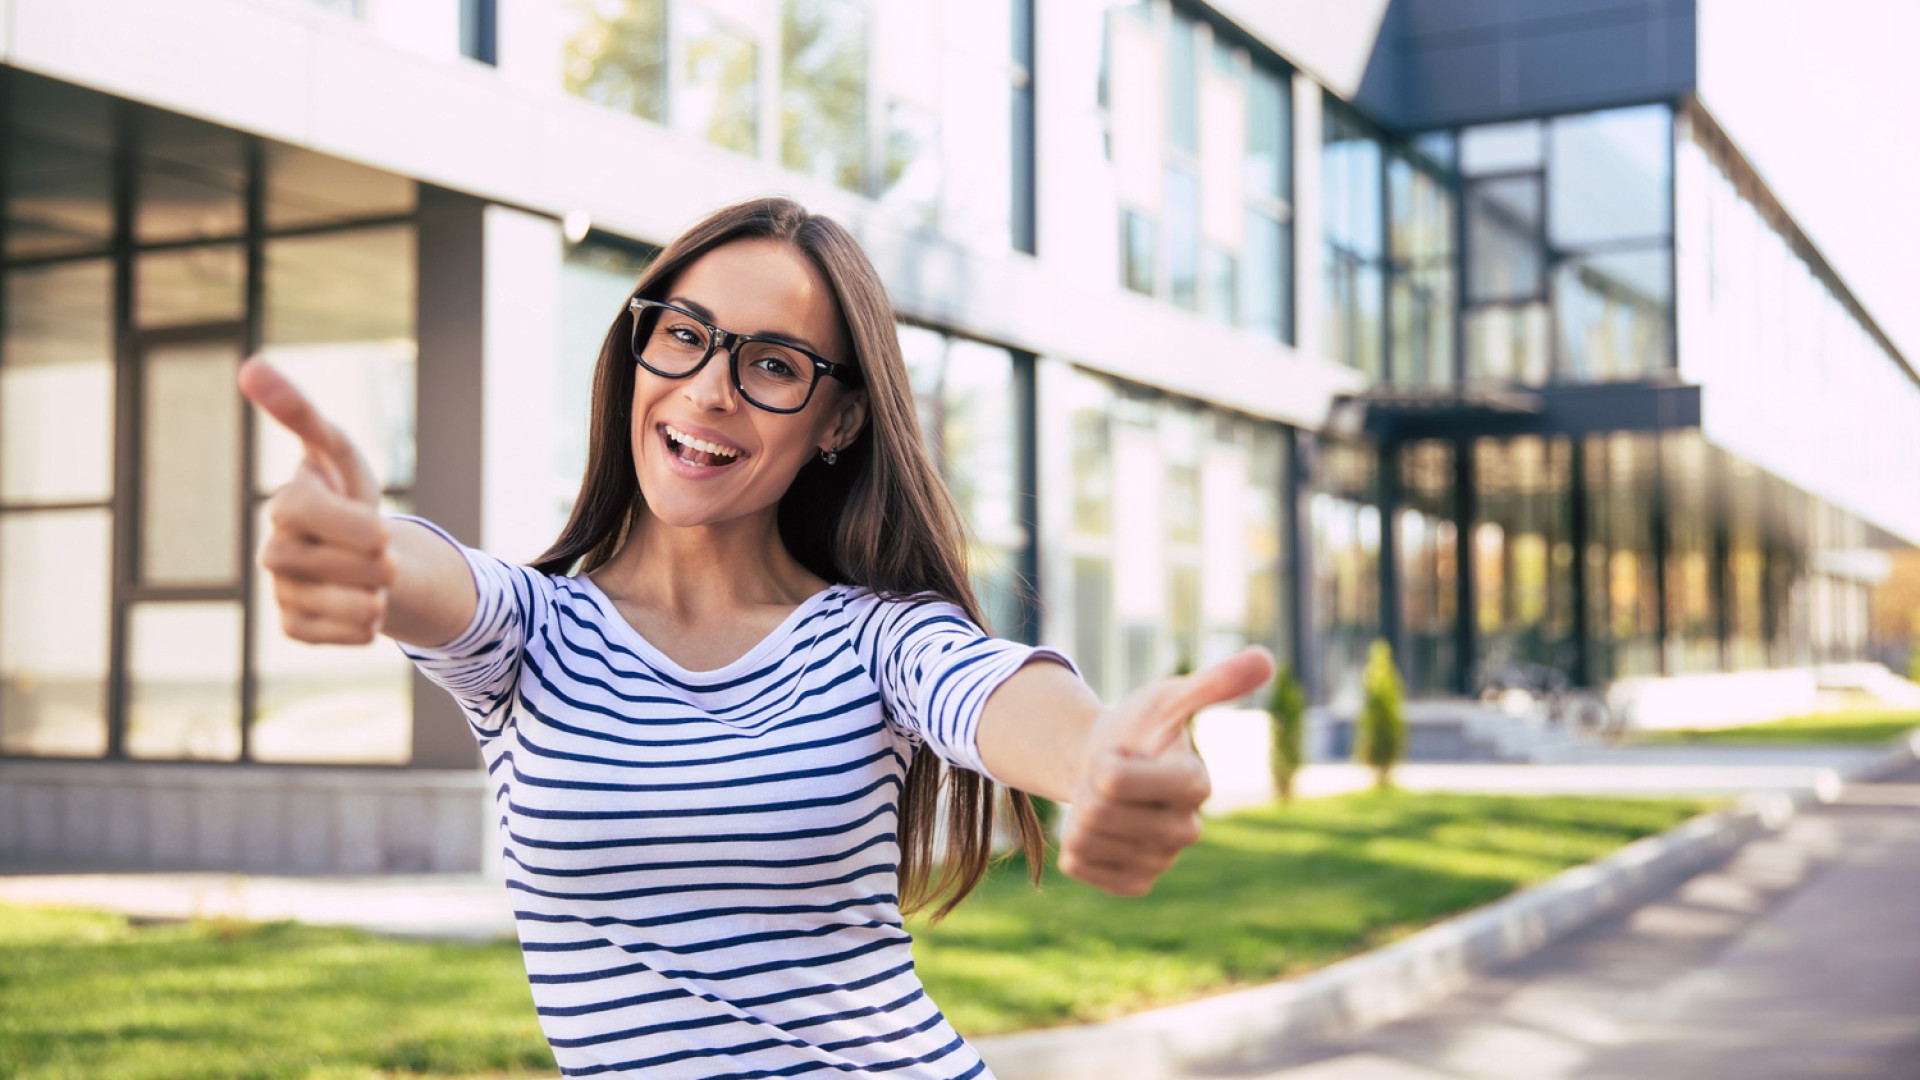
(1224, 680)
(328, 449)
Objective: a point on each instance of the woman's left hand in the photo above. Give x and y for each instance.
(1137, 805)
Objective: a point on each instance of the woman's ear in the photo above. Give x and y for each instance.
(853, 417)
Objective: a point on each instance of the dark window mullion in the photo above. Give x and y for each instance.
(250, 343)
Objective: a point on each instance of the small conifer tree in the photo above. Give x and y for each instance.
(1287, 705)
(1380, 736)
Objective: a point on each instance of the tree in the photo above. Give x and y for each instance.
(1380, 734)
(1287, 706)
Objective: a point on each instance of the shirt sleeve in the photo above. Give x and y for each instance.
(935, 669)
(481, 667)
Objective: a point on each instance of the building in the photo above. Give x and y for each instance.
(1489, 328)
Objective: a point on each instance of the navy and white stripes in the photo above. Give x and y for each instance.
(704, 864)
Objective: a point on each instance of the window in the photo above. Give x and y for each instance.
(1569, 245)
(1199, 140)
(126, 519)
(970, 399)
(1421, 298)
(894, 101)
(1174, 551)
(1350, 178)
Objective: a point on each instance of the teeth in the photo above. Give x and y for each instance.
(703, 445)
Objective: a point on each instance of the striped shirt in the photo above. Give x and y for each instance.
(704, 864)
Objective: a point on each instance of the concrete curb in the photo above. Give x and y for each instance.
(1242, 1027)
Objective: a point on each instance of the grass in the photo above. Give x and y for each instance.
(86, 996)
(1857, 725)
(1267, 893)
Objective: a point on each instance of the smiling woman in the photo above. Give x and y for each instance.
(723, 710)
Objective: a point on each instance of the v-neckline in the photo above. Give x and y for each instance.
(652, 654)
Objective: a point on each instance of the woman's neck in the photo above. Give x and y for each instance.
(707, 569)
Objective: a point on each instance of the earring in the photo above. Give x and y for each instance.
(830, 455)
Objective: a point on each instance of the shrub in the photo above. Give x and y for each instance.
(1380, 734)
(1288, 707)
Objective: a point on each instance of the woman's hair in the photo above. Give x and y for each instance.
(879, 518)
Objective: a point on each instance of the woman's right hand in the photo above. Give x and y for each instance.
(328, 549)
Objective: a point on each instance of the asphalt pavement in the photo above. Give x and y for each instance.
(1798, 958)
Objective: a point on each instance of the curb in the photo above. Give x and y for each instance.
(1244, 1026)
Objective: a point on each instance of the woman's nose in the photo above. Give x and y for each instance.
(712, 386)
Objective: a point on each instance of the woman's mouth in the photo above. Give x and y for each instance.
(693, 450)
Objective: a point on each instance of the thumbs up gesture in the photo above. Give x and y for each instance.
(1138, 801)
(327, 547)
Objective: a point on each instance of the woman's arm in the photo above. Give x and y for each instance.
(341, 573)
(1128, 770)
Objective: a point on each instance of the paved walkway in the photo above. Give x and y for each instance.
(1799, 958)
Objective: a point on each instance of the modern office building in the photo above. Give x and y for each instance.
(1490, 328)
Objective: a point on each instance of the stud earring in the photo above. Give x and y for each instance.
(830, 455)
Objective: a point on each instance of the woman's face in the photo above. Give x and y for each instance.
(702, 454)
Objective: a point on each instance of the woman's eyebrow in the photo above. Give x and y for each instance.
(706, 313)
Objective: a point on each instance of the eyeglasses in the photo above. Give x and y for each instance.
(771, 373)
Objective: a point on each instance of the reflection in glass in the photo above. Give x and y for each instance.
(183, 681)
(1345, 533)
(720, 80)
(56, 384)
(1508, 343)
(616, 55)
(191, 180)
(1503, 239)
(1613, 312)
(333, 704)
(59, 197)
(1693, 632)
(55, 571)
(1355, 334)
(338, 318)
(823, 90)
(1623, 599)
(1495, 148)
(189, 465)
(1183, 236)
(1523, 550)
(1608, 177)
(306, 188)
(1137, 249)
(1269, 169)
(183, 286)
(1268, 271)
(1428, 547)
(1219, 284)
(968, 405)
(1420, 232)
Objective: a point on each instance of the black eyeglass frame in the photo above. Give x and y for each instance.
(726, 339)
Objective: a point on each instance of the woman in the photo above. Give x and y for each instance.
(719, 747)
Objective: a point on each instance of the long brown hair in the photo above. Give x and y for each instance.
(879, 518)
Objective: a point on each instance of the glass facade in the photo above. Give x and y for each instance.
(1353, 322)
(889, 100)
(1344, 529)
(971, 399)
(1569, 243)
(1199, 133)
(142, 499)
(1176, 519)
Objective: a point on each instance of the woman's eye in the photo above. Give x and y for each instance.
(777, 366)
(682, 335)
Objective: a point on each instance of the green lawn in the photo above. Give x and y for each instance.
(1840, 726)
(1267, 893)
(86, 996)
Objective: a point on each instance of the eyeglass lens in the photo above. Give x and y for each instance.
(770, 374)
